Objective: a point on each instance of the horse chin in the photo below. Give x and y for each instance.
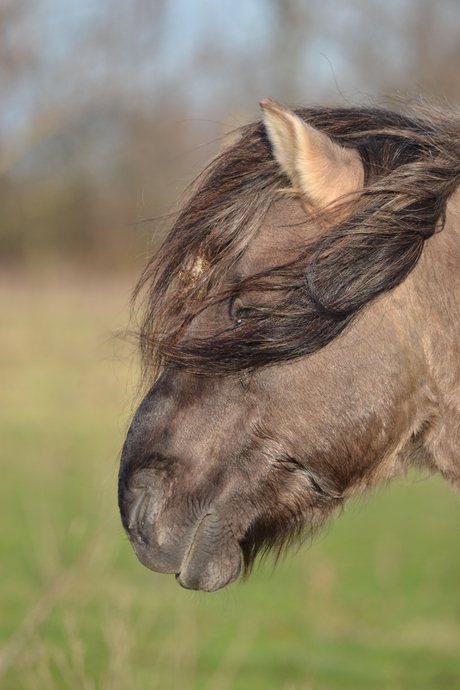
(213, 560)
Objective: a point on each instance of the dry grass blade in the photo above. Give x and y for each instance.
(39, 613)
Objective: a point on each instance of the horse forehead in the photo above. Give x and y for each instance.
(285, 231)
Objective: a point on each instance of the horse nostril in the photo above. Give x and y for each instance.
(140, 514)
(143, 512)
(133, 509)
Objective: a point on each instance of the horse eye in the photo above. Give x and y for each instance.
(234, 309)
(242, 314)
(237, 312)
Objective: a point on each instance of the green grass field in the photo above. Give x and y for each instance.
(374, 603)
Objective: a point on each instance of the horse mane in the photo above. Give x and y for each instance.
(411, 168)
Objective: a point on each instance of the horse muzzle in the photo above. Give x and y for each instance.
(203, 555)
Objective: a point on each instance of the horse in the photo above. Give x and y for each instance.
(300, 336)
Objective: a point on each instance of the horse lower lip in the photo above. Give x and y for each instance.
(190, 547)
(213, 558)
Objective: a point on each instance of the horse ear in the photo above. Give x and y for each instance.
(318, 168)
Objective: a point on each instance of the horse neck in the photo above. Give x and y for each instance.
(433, 298)
(438, 273)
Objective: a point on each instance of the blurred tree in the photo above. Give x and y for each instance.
(105, 107)
(287, 55)
(410, 47)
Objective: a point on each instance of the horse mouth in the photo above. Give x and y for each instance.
(213, 559)
(189, 550)
(208, 561)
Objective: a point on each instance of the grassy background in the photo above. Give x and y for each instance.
(374, 603)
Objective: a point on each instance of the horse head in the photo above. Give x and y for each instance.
(293, 340)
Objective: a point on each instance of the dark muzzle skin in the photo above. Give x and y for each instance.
(202, 554)
(170, 509)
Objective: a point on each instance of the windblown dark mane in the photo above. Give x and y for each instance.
(411, 165)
